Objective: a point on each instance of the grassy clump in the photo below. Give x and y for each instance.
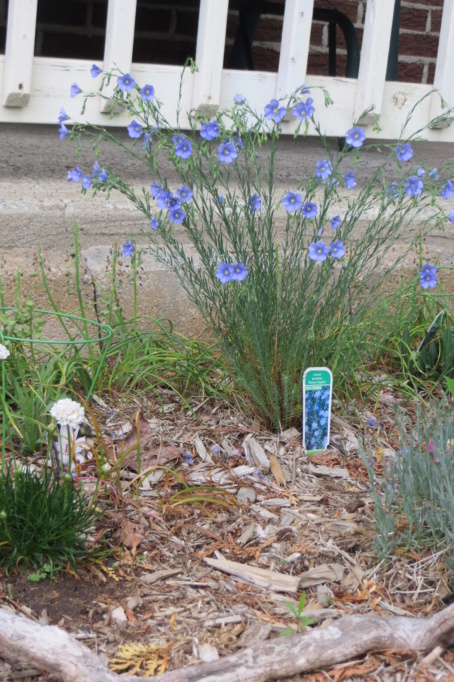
(42, 519)
(414, 498)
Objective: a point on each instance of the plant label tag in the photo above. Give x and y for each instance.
(317, 397)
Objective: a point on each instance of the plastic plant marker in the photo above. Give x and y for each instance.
(317, 398)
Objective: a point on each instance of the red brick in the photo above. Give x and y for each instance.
(432, 3)
(418, 44)
(413, 19)
(265, 59)
(71, 46)
(153, 19)
(431, 74)
(187, 22)
(347, 7)
(233, 23)
(174, 52)
(410, 73)
(269, 30)
(316, 33)
(318, 64)
(435, 21)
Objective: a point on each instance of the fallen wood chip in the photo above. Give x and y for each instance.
(150, 578)
(321, 574)
(52, 649)
(334, 472)
(256, 454)
(257, 576)
(277, 472)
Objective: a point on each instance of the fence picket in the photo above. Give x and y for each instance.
(121, 16)
(296, 33)
(20, 43)
(210, 55)
(444, 70)
(374, 59)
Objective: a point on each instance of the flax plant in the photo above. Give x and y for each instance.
(285, 278)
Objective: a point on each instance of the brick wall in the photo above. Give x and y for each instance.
(166, 34)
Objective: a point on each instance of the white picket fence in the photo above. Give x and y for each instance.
(34, 88)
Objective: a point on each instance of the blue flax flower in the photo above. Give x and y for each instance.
(96, 169)
(318, 251)
(420, 172)
(173, 202)
(337, 249)
(239, 272)
(304, 109)
(350, 180)
(255, 202)
(134, 129)
(434, 173)
(219, 199)
(448, 190)
(75, 174)
(210, 131)
(274, 112)
(414, 186)
(155, 188)
(155, 223)
(103, 175)
(305, 90)
(428, 269)
(176, 215)
(163, 199)
(185, 194)
(183, 149)
(227, 152)
(75, 90)
(324, 169)
(224, 272)
(335, 222)
(128, 249)
(126, 82)
(239, 99)
(292, 202)
(63, 131)
(355, 136)
(404, 152)
(62, 116)
(309, 210)
(87, 181)
(147, 92)
(428, 280)
(95, 71)
(451, 216)
(176, 139)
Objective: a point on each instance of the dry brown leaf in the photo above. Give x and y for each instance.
(277, 472)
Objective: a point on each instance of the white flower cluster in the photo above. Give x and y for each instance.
(68, 413)
(4, 352)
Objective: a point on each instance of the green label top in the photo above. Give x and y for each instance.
(315, 379)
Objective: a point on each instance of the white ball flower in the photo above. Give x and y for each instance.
(4, 352)
(68, 413)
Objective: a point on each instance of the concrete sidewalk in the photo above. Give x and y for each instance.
(38, 207)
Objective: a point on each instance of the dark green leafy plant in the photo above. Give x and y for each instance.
(301, 621)
(43, 520)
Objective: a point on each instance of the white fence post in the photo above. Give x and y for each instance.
(20, 45)
(121, 17)
(444, 71)
(374, 59)
(296, 33)
(209, 56)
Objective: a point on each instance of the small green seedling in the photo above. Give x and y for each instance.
(46, 571)
(301, 621)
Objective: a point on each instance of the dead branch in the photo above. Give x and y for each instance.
(52, 649)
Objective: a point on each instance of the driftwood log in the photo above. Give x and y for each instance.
(52, 649)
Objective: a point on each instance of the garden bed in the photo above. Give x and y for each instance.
(309, 520)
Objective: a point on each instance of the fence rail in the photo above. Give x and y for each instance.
(34, 88)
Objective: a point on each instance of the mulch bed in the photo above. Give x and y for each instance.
(160, 601)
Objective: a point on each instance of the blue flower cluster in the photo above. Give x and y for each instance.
(99, 174)
(428, 276)
(316, 415)
(226, 272)
(319, 251)
(168, 201)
